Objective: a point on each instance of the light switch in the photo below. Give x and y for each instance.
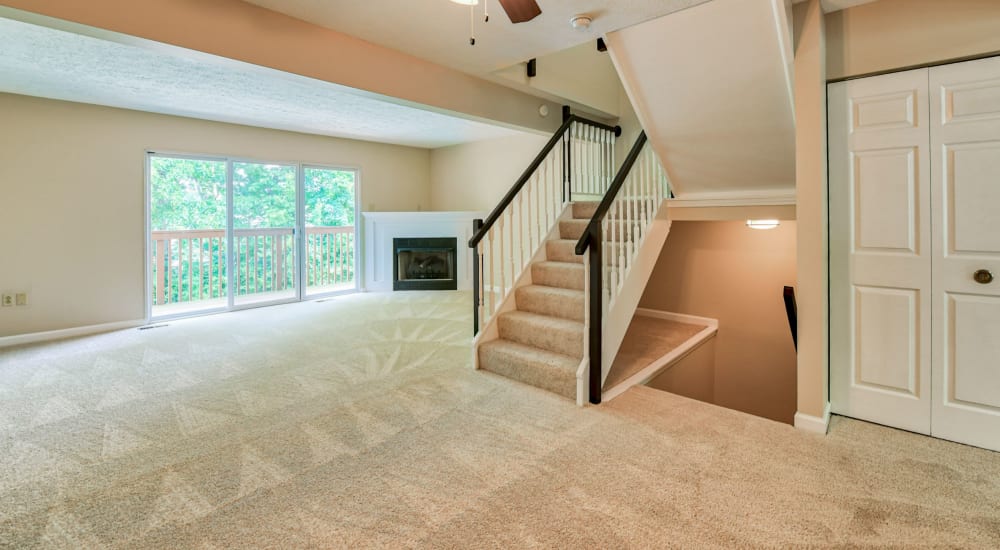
(21, 298)
(7, 300)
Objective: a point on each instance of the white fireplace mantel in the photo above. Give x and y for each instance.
(382, 227)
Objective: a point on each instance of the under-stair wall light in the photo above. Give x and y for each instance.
(763, 224)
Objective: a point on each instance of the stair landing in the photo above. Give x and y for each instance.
(652, 344)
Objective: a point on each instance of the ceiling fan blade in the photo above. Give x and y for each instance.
(520, 11)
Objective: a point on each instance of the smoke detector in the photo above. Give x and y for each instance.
(581, 22)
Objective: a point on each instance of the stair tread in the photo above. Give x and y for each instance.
(560, 265)
(552, 301)
(532, 354)
(530, 317)
(565, 292)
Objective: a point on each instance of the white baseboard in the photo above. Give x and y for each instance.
(35, 337)
(814, 424)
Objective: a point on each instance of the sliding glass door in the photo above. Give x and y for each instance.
(188, 269)
(227, 234)
(264, 259)
(329, 229)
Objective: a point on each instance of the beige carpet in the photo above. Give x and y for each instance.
(646, 341)
(357, 423)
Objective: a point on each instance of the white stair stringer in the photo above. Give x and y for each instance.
(623, 306)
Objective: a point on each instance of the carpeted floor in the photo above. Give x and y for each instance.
(647, 340)
(357, 422)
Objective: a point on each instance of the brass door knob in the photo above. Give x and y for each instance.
(983, 276)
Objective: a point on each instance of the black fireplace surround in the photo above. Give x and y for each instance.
(424, 263)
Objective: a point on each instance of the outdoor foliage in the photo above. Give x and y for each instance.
(189, 194)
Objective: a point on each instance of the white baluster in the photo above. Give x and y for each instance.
(502, 258)
(622, 224)
(522, 249)
(480, 249)
(589, 159)
(558, 190)
(513, 255)
(539, 191)
(546, 194)
(493, 284)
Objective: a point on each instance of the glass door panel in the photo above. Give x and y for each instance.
(330, 235)
(264, 256)
(187, 249)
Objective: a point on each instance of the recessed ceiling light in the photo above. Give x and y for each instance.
(467, 2)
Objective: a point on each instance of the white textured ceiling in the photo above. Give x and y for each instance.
(438, 30)
(56, 64)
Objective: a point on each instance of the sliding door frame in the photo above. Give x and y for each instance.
(301, 277)
(147, 247)
(357, 230)
(231, 232)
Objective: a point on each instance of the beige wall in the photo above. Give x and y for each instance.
(475, 176)
(72, 198)
(890, 34)
(631, 127)
(811, 211)
(242, 31)
(729, 272)
(581, 75)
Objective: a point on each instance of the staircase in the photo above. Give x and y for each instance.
(556, 282)
(541, 341)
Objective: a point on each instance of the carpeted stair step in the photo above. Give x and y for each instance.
(572, 229)
(584, 210)
(541, 331)
(562, 250)
(558, 274)
(554, 302)
(543, 369)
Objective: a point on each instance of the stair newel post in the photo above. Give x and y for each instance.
(477, 305)
(596, 314)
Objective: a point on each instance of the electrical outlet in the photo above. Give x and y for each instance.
(7, 300)
(21, 298)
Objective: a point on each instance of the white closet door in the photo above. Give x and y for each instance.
(965, 140)
(880, 246)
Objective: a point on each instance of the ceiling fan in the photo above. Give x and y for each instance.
(518, 11)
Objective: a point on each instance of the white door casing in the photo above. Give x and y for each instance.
(965, 186)
(880, 250)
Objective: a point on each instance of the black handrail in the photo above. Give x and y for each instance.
(791, 310)
(509, 197)
(591, 238)
(609, 197)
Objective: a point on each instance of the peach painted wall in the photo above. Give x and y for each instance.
(726, 271)
(890, 34)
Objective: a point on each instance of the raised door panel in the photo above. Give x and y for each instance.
(879, 250)
(972, 197)
(884, 195)
(970, 370)
(965, 145)
(887, 360)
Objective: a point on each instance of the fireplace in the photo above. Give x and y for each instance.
(424, 264)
